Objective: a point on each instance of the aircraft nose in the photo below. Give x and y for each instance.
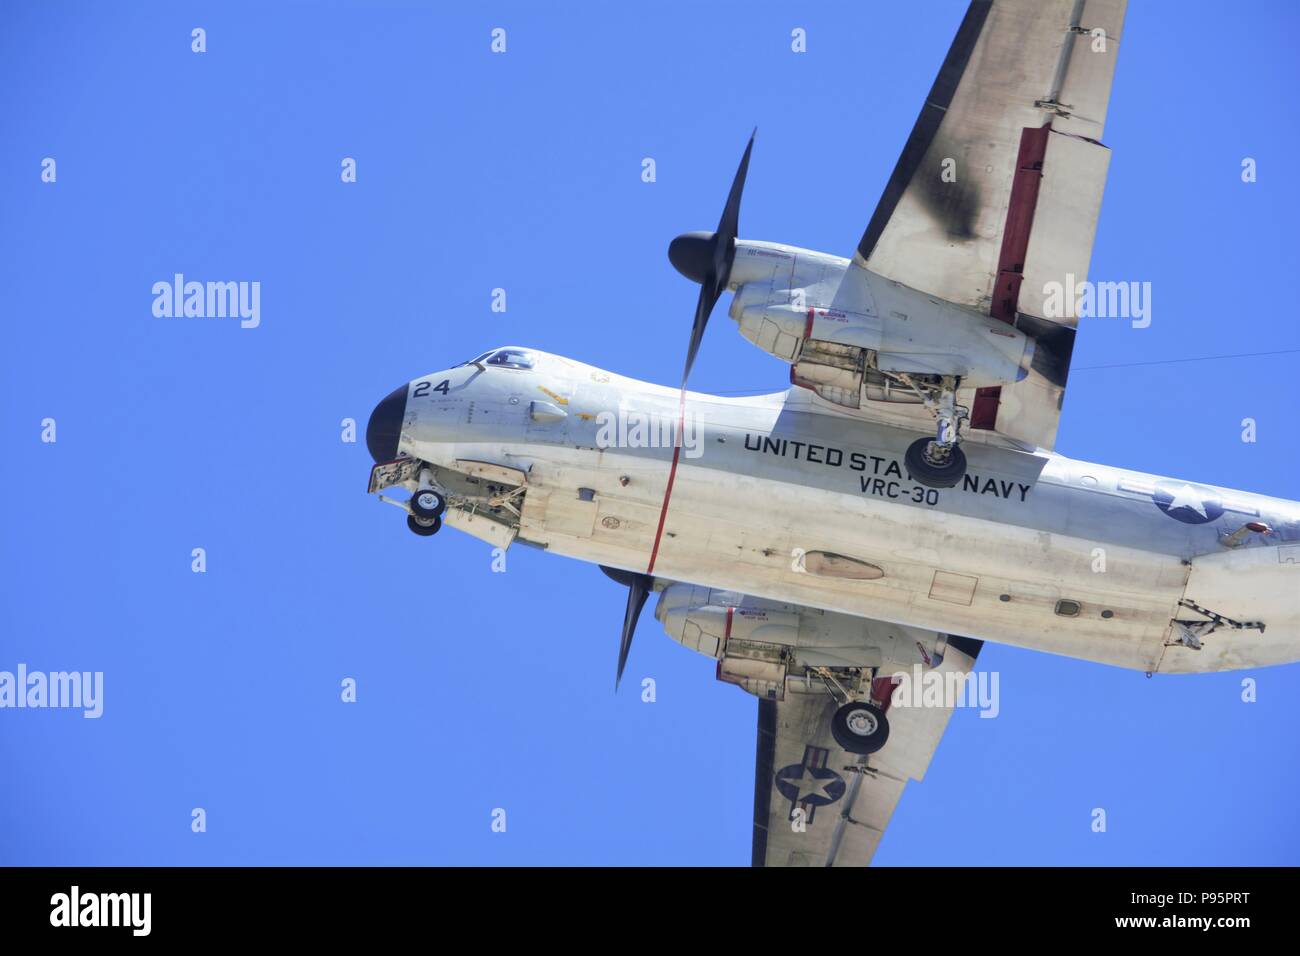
(385, 426)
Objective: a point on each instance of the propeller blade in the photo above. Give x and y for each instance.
(708, 258)
(639, 587)
(709, 296)
(636, 598)
(729, 224)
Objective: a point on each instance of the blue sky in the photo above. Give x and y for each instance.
(475, 171)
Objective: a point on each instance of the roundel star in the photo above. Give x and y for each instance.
(1188, 503)
(817, 786)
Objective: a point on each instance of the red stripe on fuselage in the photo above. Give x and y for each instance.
(672, 476)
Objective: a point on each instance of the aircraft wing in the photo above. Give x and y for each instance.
(817, 805)
(998, 188)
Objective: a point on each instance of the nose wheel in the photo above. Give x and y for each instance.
(428, 504)
(424, 527)
(424, 510)
(428, 501)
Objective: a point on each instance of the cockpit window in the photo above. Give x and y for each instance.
(512, 358)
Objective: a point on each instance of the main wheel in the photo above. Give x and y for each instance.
(942, 475)
(860, 727)
(428, 504)
(424, 527)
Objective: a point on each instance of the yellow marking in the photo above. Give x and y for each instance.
(562, 401)
(586, 416)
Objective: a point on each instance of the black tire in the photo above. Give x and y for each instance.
(931, 475)
(860, 727)
(428, 504)
(424, 527)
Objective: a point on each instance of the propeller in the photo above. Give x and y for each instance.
(706, 258)
(638, 587)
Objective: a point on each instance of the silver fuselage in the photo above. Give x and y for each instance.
(1005, 556)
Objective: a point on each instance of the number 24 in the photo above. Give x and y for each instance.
(422, 388)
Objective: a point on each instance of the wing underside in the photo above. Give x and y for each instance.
(994, 201)
(816, 804)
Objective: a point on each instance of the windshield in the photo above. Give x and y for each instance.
(504, 358)
(512, 358)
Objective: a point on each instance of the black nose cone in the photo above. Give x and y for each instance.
(385, 427)
(691, 254)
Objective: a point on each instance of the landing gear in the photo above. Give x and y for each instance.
(424, 510)
(939, 462)
(428, 504)
(424, 527)
(860, 727)
(933, 464)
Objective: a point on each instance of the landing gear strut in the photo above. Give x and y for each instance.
(424, 510)
(939, 462)
(858, 725)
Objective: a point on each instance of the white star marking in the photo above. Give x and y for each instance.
(810, 786)
(1186, 497)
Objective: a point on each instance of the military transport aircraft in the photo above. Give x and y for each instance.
(901, 502)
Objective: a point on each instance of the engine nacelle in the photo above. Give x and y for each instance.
(846, 334)
(758, 642)
(696, 619)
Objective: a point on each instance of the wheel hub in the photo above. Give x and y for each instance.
(862, 722)
(937, 455)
